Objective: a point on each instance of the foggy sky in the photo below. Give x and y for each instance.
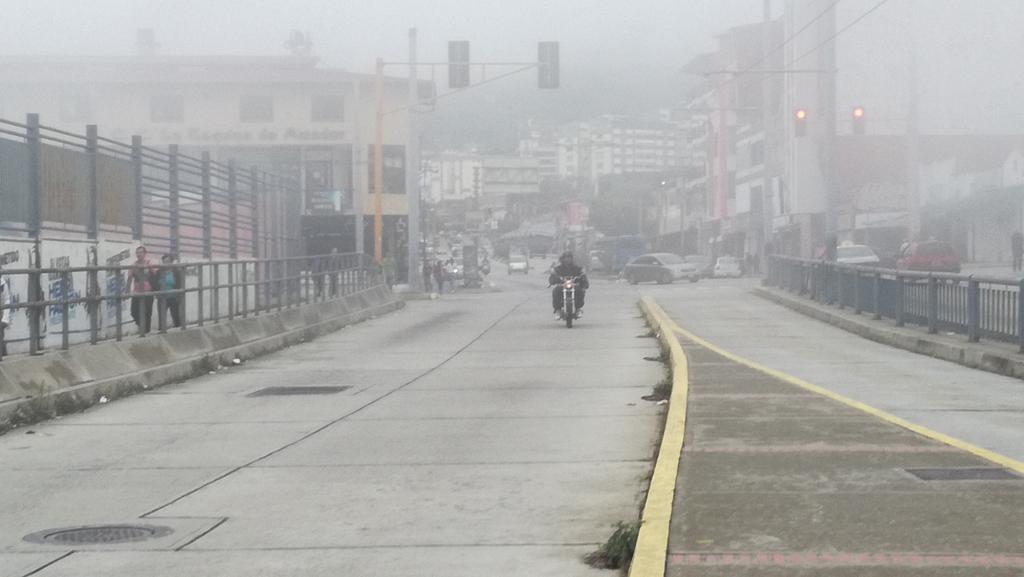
(969, 52)
(353, 33)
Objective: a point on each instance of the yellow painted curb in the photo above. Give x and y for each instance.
(652, 543)
(986, 454)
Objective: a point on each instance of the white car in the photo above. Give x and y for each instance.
(662, 268)
(728, 267)
(857, 254)
(518, 263)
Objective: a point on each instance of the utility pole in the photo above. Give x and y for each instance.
(378, 168)
(913, 145)
(766, 118)
(827, 105)
(412, 171)
(359, 168)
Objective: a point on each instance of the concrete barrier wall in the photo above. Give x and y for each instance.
(34, 388)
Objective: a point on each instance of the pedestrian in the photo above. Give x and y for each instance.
(439, 276)
(390, 268)
(1017, 247)
(428, 273)
(140, 284)
(5, 314)
(334, 264)
(171, 281)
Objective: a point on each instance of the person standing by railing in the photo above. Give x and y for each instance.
(5, 314)
(1017, 248)
(170, 278)
(140, 281)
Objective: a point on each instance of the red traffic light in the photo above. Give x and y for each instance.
(859, 120)
(800, 122)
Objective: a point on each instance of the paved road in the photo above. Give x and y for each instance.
(975, 406)
(477, 437)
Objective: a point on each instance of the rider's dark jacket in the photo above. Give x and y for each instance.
(569, 270)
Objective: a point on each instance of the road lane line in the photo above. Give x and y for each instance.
(152, 512)
(651, 550)
(986, 454)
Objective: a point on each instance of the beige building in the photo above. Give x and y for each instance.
(284, 113)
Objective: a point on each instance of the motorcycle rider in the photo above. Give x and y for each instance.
(567, 268)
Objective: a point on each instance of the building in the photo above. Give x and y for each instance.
(284, 113)
(510, 189)
(583, 152)
(723, 199)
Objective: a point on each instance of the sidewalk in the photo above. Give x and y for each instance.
(781, 477)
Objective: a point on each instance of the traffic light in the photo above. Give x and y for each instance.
(547, 65)
(458, 64)
(800, 123)
(858, 120)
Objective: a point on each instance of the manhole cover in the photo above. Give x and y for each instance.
(279, 391)
(98, 534)
(965, 474)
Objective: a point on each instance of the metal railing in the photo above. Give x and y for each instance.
(975, 306)
(170, 199)
(199, 293)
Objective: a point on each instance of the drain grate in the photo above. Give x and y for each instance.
(286, 391)
(965, 474)
(99, 534)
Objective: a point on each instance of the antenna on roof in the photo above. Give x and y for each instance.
(299, 43)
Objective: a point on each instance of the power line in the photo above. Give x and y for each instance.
(764, 58)
(793, 36)
(840, 31)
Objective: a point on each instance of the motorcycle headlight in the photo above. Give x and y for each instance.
(568, 284)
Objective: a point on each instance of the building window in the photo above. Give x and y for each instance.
(167, 108)
(328, 108)
(757, 153)
(256, 108)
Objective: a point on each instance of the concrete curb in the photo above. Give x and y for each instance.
(991, 358)
(59, 382)
(651, 552)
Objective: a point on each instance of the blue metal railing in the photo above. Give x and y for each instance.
(975, 306)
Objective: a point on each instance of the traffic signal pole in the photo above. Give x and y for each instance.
(548, 78)
(412, 173)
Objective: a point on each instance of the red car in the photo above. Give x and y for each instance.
(929, 256)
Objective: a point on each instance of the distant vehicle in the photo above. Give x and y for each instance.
(929, 256)
(728, 266)
(597, 261)
(617, 251)
(518, 263)
(662, 268)
(857, 254)
(704, 265)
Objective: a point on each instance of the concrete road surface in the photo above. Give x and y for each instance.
(474, 436)
(978, 407)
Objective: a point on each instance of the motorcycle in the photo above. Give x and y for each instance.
(569, 312)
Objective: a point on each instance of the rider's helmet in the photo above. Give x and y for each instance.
(565, 258)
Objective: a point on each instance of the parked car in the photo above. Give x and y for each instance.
(728, 266)
(929, 256)
(704, 265)
(662, 268)
(857, 254)
(518, 263)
